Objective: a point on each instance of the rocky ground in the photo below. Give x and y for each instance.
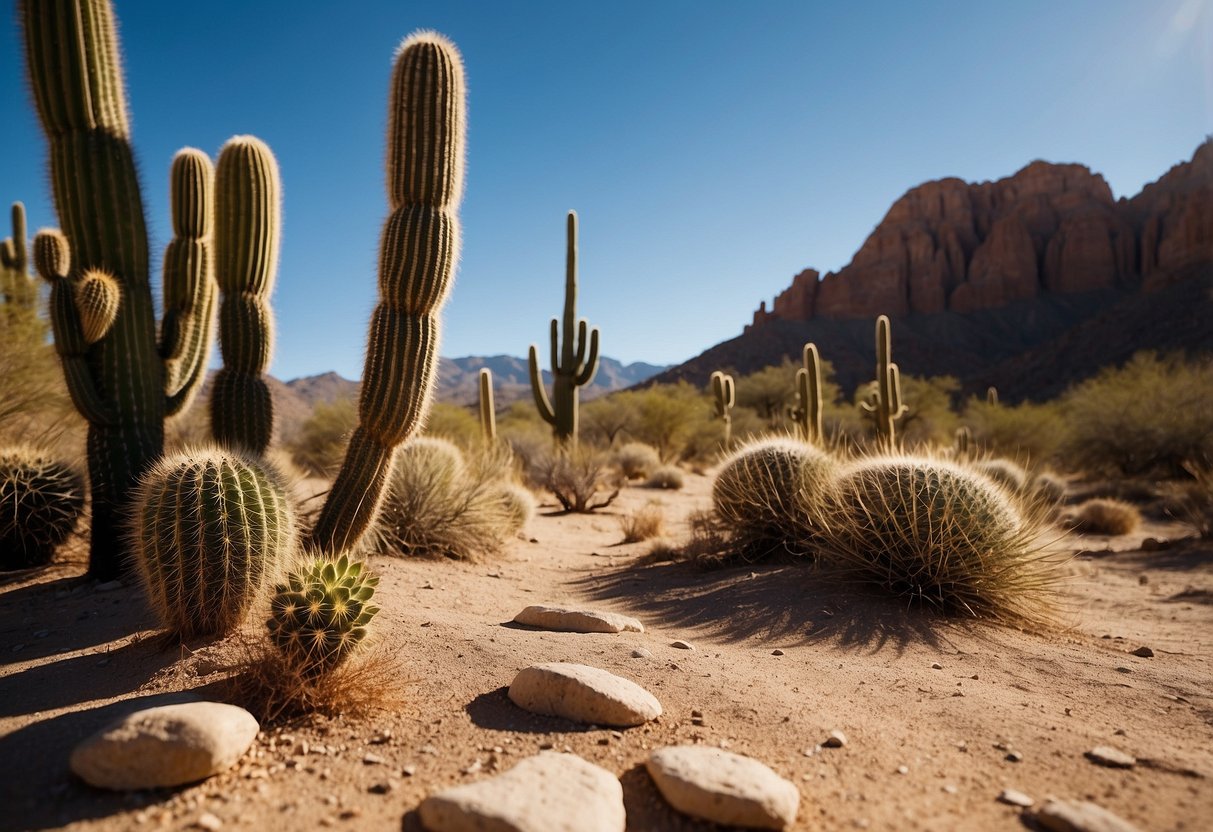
(938, 719)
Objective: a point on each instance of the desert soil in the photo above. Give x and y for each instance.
(778, 662)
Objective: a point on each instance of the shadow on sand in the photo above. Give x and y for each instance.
(495, 711)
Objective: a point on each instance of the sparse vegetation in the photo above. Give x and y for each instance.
(581, 479)
(322, 439)
(1106, 516)
(668, 477)
(644, 523)
(636, 459)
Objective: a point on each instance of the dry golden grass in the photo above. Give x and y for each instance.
(1104, 515)
(668, 477)
(644, 523)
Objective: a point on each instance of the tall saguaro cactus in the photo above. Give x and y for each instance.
(724, 394)
(572, 367)
(16, 286)
(115, 371)
(488, 413)
(886, 407)
(808, 414)
(418, 251)
(247, 198)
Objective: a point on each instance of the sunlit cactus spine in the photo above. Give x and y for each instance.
(247, 228)
(118, 381)
(572, 365)
(212, 531)
(418, 252)
(886, 406)
(488, 415)
(320, 615)
(16, 285)
(724, 397)
(810, 408)
(41, 499)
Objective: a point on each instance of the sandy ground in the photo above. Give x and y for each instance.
(928, 748)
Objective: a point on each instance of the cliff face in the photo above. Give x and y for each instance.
(952, 245)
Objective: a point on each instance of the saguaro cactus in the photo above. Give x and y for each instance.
(488, 415)
(992, 396)
(16, 286)
(572, 367)
(246, 252)
(808, 413)
(418, 251)
(886, 407)
(115, 373)
(724, 392)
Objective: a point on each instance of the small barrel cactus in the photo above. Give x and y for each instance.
(320, 615)
(212, 531)
(40, 503)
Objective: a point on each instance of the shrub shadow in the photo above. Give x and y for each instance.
(495, 711)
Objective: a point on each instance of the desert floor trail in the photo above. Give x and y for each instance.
(939, 719)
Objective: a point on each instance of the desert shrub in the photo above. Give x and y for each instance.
(1196, 498)
(41, 499)
(518, 500)
(644, 523)
(320, 445)
(581, 478)
(636, 459)
(1106, 516)
(1003, 471)
(606, 419)
(438, 506)
(1147, 417)
(936, 534)
(667, 415)
(1027, 431)
(770, 493)
(528, 437)
(458, 424)
(667, 476)
(930, 418)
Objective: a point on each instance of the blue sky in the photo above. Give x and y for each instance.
(712, 149)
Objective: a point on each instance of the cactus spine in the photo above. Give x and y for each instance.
(420, 244)
(808, 414)
(246, 253)
(118, 382)
(571, 366)
(724, 392)
(488, 415)
(886, 406)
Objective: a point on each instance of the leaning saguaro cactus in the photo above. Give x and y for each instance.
(246, 252)
(886, 406)
(572, 367)
(488, 415)
(724, 393)
(808, 414)
(114, 367)
(419, 247)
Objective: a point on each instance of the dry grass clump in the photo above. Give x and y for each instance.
(636, 460)
(1004, 472)
(667, 476)
(518, 500)
(1106, 516)
(940, 536)
(581, 479)
(1196, 501)
(644, 523)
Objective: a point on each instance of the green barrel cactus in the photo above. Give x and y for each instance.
(212, 532)
(41, 499)
(886, 406)
(247, 199)
(488, 413)
(724, 395)
(320, 615)
(572, 365)
(418, 252)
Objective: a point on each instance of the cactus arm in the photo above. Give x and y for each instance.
(97, 297)
(13, 254)
(570, 297)
(579, 351)
(542, 403)
(555, 342)
(591, 364)
(730, 392)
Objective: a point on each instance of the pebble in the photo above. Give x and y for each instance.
(208, 821)
(550, 792)
(1143, 652)
(1014, 798)
(1106, 755)
(903, 769)
(166, 746)
(382, 787)
(1080, 816)
(1014, 757)
(373, 760)
(641, 653)
(723, 787)
(836, 739)
(936, 666)
(570, 620)
(682, 645)
(776, 652)
(583, 694)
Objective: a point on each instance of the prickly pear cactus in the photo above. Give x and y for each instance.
(40, 503)
(320, 615)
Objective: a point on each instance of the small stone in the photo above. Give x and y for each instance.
(583, 694)
(1142, 580)
(950, 789)
(372, 759)
(696, 713)
(409, 770)
(936, 666)
(682, 645)
(641, 653)
(166, 746)
(1144, 652)
(208, 821)
(1105, 755)
(569, 620)
(1080, 816)
(836, 739)
(1014, 798)
(723, 787)
(1014, 757)
(776, 652)
(903, 769)
(382, 787)
(548, 792)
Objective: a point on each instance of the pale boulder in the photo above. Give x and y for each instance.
(583, 694)
(723, 787)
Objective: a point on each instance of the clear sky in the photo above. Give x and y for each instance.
(713, 149)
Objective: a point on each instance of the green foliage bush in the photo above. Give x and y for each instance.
(1027, 431)
(636, 459)
(320, 446)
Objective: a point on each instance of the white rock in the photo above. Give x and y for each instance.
(1106, 755)
(1014, 798)
(583, 694)
(577, 620)
(1080, 816)
(550, 792)
(641, 653)
(723, 787)
(682, 644)
(166, 746)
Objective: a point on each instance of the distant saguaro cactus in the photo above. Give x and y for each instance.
(886, 406)
(992, 396)
(962, 444)
(418, 251)
(724, 393)
(808, 413)
(16, 285)
(488, 415)
(572, 366)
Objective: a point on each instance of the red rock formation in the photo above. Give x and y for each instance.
(1049, 228)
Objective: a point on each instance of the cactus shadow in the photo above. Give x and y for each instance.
(783, 603)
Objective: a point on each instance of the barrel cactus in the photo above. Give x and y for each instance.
(40, 503)
(319, 616)
(212, 531)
